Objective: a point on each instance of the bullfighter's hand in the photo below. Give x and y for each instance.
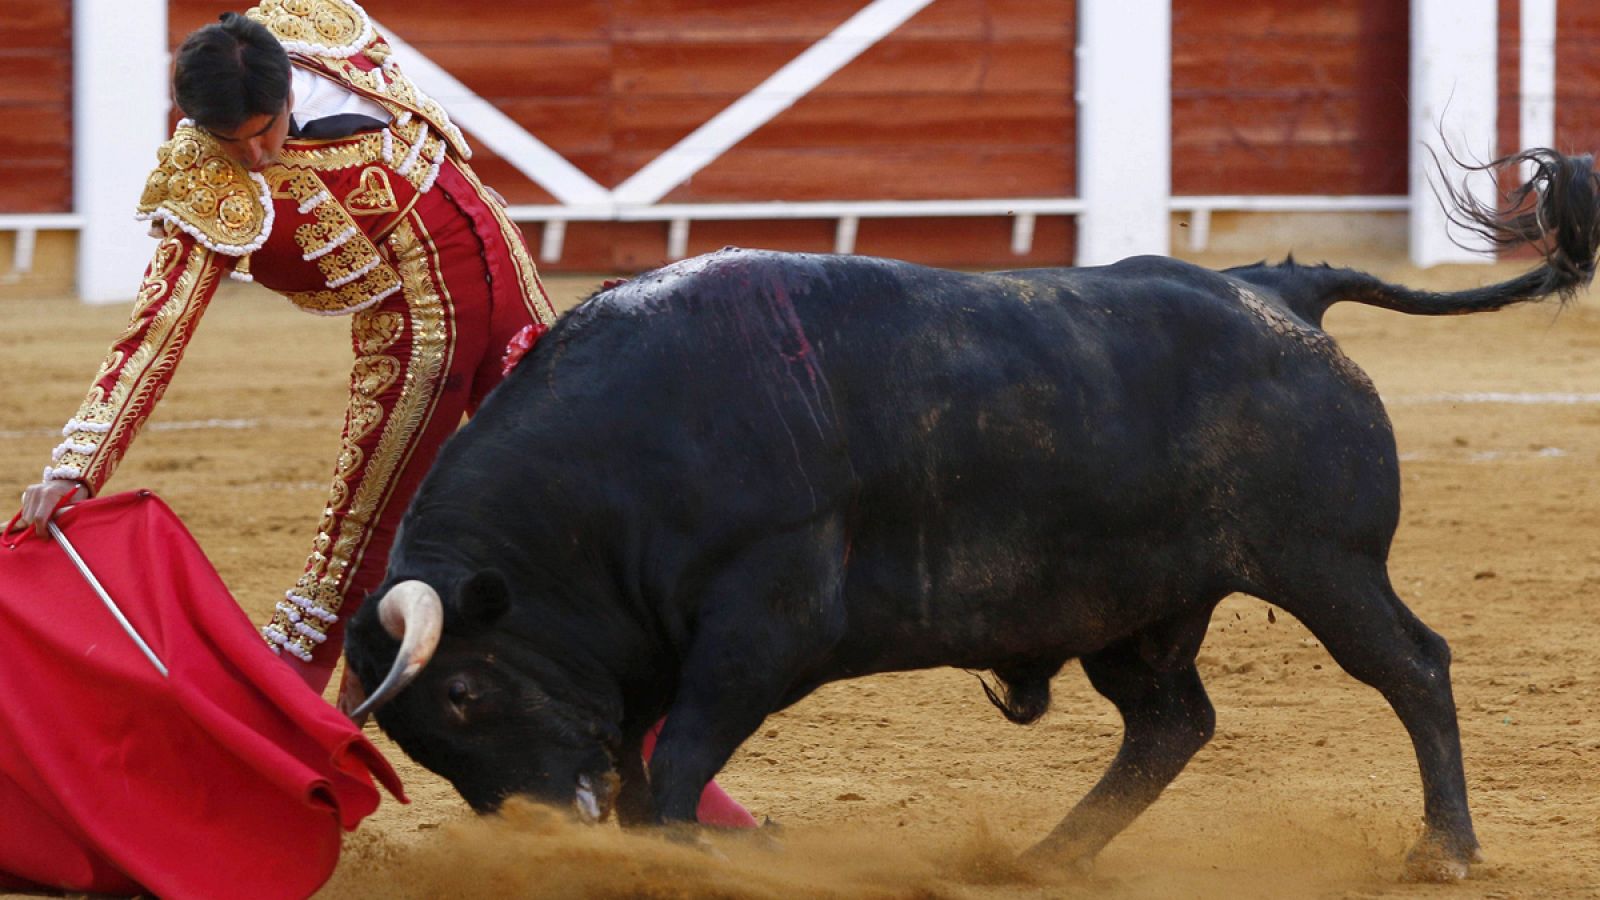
(39, 501)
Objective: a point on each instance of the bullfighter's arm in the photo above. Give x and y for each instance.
(212, 212)
(181, 278)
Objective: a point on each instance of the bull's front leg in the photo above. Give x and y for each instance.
(717, 708)
(764, 618)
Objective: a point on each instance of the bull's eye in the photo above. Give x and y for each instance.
(458, 692)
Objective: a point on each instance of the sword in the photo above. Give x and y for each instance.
(83, 568)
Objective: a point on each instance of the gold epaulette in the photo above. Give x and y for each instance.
(327, 35)
(198, 188)
(333, 28)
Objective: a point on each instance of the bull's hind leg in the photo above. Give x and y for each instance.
(1166, 718)
(1354, 612)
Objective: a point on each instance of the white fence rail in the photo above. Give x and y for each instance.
(26, 228)
(847, 215)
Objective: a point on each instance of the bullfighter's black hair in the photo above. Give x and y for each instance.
(229, 72)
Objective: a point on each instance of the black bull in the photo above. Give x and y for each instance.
(714, 488)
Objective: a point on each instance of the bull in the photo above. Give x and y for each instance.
(718, 486)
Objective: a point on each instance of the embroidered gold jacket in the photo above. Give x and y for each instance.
(309, 226)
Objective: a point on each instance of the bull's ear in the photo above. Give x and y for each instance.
(485, 597)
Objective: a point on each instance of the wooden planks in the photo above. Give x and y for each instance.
(36, 102)
(1508, 97)
(975, 242)
(1577, 76)
(967, 99)
(1285, 97)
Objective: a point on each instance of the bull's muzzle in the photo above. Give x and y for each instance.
(412, 613)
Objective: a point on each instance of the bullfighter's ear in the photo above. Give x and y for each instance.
(485, 597)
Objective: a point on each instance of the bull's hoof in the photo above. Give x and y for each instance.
(1434, 859)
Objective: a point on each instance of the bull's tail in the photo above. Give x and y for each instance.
(1557, 212)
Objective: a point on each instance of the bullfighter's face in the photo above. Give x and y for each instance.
(256, 142)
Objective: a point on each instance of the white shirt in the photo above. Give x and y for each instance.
(316, 97)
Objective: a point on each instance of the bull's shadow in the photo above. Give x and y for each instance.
(713, 488)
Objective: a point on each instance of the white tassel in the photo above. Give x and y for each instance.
(339, 240)
(411, 155)
(80, 425)
(433, 175)
(65, 447)
(315, 201)
(341, 282)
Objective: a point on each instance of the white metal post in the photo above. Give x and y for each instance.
(1453, 108)
(1537, 96)
(1124, 128)
(119, 118)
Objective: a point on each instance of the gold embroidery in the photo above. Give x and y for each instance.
(373, 195)
(142, 375)
(367, 150)
(359, 294)
(334, 555)
(166, 256)
(374, 374)
(364, 415)
(338, 154)
(376, 331)
(154, 286)
(315, 236)
(151, 290)
(320, 25)
(429, 358)
(143, 363)
(357, 276)
(196, 186)
(350, 459)
(111, 363)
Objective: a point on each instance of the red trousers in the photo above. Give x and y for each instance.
(425, 357)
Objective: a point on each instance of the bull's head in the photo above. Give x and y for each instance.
(474, 704)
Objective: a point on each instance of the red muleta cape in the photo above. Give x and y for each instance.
(226, 779)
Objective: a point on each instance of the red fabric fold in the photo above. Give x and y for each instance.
(227, 778)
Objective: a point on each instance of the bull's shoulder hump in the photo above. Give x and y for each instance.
(734, 271)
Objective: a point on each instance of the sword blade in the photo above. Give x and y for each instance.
(88, 575)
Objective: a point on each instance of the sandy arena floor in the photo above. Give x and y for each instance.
(912, 785)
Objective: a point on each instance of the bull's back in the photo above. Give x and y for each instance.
(992, 443)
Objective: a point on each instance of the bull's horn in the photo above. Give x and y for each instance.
(413, 613)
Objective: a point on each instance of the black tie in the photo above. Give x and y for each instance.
(328, 127)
